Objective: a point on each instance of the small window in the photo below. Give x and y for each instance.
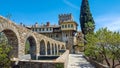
(36, 29)
(39, 29)
(68, 25)
(46, 29)
(62, 26)
(43, 29)
(65, 26)
(50, 29)
(56, 35)
(71, 25)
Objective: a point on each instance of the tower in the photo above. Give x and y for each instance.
(65, 18)
(68, 28)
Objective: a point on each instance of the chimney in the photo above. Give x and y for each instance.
(48, 24)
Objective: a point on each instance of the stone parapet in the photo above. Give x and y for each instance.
(60, 62)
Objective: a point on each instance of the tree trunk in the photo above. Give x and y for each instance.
(116, 65)
(104, 54)
(113, 61)
(107, 61)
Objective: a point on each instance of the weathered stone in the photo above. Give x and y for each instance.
(17, 36)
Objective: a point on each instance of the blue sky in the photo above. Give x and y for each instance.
(106, 13)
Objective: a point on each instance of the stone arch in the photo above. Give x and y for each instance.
(48, 48)
(32, 46)
(13, 41)
(55, 48)
(42, 47)
(8, 25)
(53, 52)
(58, 46)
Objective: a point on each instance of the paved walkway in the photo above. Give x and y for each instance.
(78, 61)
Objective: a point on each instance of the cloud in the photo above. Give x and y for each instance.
(112, 22)
(70, 4)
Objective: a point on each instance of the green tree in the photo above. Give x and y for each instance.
(104, 45)
(86, 19)
(4, 52)
(27, 47)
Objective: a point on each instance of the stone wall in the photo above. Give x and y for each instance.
(64, 58)
(25, 64)
(60, 62)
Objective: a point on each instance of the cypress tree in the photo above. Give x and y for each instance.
(86, 19)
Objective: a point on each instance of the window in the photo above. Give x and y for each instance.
(62, 26)
(46, 29)
(39, 29)
(71, 25)
(68, 25)
(36, 29)
(56, 35)
(65, 26)
(50, 29)
(43, 29)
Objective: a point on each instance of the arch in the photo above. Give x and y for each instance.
(53, 49)
(31, 47)
(12, 41)
(42, 48)
(48, 48)
(58, 47)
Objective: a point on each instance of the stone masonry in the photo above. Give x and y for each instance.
(17, 36)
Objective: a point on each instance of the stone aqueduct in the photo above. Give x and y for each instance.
(17, 36)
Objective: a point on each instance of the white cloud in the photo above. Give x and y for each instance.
(112, 22)
(70, 4)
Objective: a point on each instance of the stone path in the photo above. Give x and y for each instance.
(78, 61)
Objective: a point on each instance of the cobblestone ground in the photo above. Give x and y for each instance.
(78, 61)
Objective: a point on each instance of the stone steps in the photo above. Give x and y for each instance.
(78, 61)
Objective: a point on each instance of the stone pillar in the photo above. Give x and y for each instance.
(46, 50)
(57, 49)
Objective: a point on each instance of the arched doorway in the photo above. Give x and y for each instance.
(30, 47)
(48, 48)
(42, 48)
(12, 40)
(53, 49)
(58, 47)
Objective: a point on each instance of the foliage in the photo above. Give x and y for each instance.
(104, 45)
(86, 19)
(27, 47)
(4, 52)
(59, 65)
